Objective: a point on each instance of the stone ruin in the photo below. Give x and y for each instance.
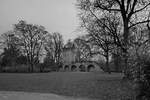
(71, 61)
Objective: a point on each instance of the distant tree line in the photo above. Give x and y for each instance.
(26, 44)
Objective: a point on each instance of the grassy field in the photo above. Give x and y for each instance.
(76, 84)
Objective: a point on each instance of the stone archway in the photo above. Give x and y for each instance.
(73, 68)
(82, 68)
(90, 68)
(66, 67)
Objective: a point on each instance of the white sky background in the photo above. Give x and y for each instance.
(54, 15)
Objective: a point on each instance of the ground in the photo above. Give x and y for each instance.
(72, 84)
(5, 95)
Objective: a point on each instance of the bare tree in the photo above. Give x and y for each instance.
(9, 39)
(103, 33)
(126, 9)
(10, 48)
(54, 45)
(32, 38)
(83, 48)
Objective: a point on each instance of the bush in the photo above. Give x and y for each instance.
(13, 69)
(140, 74)
(47, 67)
(145, 89)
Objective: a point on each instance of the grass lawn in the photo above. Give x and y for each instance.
(76, 84)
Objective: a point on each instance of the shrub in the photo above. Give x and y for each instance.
(140, 74)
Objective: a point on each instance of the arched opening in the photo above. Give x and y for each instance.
(90, 68)
(66, 68)
(82, 68)
(73, 68)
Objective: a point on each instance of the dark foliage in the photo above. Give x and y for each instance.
(145, 83)
(21, 60)
(9, 56)
(49, 64)
(140, 74)
(31, 39)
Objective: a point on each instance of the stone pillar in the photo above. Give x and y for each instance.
(70, 68)
(86, 68)
(63, 68)
(78, 69)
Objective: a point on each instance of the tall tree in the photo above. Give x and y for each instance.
(83, 48)
(53, 46)
(11, 50)
(103, 33)
(32, 38)
(126, 9)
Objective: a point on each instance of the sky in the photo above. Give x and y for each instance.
(54, 15)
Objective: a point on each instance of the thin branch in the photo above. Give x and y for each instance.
(138, 23)
(99, 43)
(128, 5)
(118, 2)
(132, 9)
(99, 21)
(105, 8)
(141, 8)
(133, 6)
(108, 9)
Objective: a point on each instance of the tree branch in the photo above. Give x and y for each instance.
(128, 5)
(139, 23)
(118, 2)
(106, 8)
(141, 8)
(132, 9)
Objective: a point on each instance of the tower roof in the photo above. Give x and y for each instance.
(69, 46)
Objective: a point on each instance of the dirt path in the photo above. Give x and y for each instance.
(33, 96)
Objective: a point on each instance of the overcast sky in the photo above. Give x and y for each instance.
(54, 15)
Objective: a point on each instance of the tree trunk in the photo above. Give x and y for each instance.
(116, 61)
(107, 63)
(28, 63)
(32, 65)
(125, 51)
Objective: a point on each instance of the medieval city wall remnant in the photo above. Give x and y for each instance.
(71, 61)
